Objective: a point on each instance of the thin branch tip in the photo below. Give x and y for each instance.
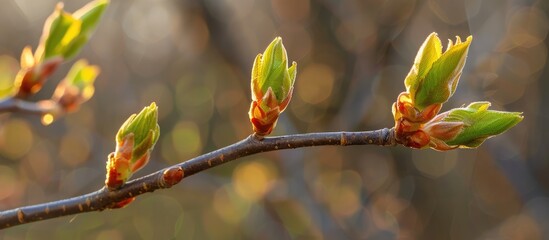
(118, 198)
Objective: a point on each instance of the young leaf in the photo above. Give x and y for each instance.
(77, 87)
(427, 54)
(62, 30)
(480, 123)
(90, 14)
(442, 78)
(65, 34)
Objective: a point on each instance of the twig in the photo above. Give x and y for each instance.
(166, 178)
(12, 104)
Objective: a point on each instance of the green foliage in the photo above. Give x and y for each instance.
(480, 123)
(432, 80)
(82, 76)
(65, 34)
(271, 70)
(272, 87)
(135, 141)
(427, 54)
(435, 75)
(144, 128)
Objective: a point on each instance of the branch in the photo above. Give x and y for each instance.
(104, 199)
(12, 104)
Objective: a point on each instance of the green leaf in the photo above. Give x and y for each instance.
(428, 53)
(65, 34)
(62, 30)
(441, 80)
(91, 14)
(480, 123)
(274, 72)
(292, 71)
(74, 47)
(143, 147)
(141, 125)
(255, 84)
(82, 76)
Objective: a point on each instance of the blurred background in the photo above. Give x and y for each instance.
(193, 58)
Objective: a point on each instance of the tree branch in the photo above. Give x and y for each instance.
(104, 199)
(12, 104)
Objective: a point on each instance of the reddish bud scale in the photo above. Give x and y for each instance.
(410, 122)
(263, 122)
(122, 203)
(118, 163)
(420, 129)
(172, 176)
(70, 98)
(140, 163)
(410, 138)
(264, 112)
(115, 176)
(30, 80)
(27, 84)
(418, 139)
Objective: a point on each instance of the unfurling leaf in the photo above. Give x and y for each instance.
(479, 123)
(77, 87)
(31, 78)
(64, 34)
(135, 141)
(427, 54)
(272, 86)
(434, 76)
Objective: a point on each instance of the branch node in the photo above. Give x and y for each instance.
(257, 137)
(389, 137)
(20, 216)
(342, 140)
(172, 176)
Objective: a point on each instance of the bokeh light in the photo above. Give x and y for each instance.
(8, 69)
(253, 180)
(16, 138)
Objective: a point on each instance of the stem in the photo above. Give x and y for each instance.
(12, 104)
(106, 199)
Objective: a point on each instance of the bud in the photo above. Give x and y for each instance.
(434, 76)
(272, 86)
(430, 83)
(440, 131)
(77, 87)
(32, 75)
(135, 141)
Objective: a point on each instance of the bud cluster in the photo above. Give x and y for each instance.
(63, 36)
(431, 81)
